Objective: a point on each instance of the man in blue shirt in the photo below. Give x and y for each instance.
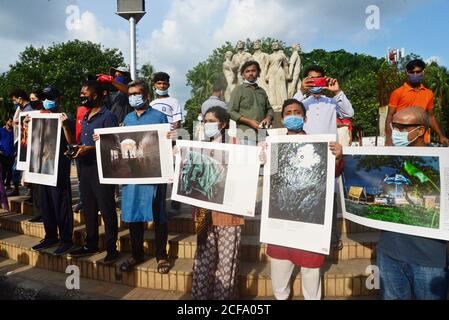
(143, 203)
(95, 196)
(410, 266)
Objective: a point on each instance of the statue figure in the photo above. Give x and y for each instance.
(240, 58)
(277, 76)
(230, 72)
(294, 70)
(262, 59)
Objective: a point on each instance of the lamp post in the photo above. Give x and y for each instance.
(133, 11)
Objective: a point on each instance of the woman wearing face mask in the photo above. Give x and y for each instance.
(283, 259)
(217, 258)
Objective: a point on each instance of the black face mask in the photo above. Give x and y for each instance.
(36, 105)
(87, 102)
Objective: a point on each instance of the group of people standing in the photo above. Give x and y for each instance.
(411, 267)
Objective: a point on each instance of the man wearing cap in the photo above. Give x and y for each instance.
(56, 202)
(117, 98)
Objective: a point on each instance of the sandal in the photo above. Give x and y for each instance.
(129, 265)
(163, 266)
(338, 245)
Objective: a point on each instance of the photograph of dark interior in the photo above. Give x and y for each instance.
(44, 137)
(298, 186)
(130, 155)
(203, 174)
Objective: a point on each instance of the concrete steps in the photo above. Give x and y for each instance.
(183, 245)
(183, 223)
(344, 279)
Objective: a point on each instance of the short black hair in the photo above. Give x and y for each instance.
(293, 101)
(19, 93)
(221, 114)
(248, 64)
(415, 63)
(315, 68)
(161, 76)
(140, 83)
(94, 86)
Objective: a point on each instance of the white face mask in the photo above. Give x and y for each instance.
(211, 130)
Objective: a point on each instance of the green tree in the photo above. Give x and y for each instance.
(64, 65)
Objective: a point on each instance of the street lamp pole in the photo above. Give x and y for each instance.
(133, 11)
(132, 36)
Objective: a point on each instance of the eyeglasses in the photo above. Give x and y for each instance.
(402, 127)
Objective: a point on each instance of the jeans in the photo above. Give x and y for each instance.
(405, 281)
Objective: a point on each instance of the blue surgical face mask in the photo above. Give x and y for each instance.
(316, 90)
(49, 104)
(211, 130)
(294, 123)
(121, 79)
(400, 139)
(415, 79)
(162, 92)
(136, 101)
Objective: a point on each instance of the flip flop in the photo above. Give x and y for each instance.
(163, 266)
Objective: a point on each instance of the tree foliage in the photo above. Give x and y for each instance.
(63, 65)
(367, 81)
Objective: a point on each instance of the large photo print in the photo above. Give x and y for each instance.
(43, 149)
(134, 155)
(23, 142)
(203, 174)
(215, 176)
(396, 189)
(298, 192)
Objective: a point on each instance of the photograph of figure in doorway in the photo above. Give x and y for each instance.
(203, 174)
(44, 143)
(130, 155)
(298, 186)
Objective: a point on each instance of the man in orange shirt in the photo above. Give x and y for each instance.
(413, 93)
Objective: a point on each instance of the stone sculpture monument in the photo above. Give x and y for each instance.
(277, 76)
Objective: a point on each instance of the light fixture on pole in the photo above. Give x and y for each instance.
(133, 11)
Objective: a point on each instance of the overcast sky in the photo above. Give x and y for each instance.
(175, 35)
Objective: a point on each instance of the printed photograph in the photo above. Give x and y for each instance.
(203, 174)
(130, 155)
(23, 139)
(43, 146)
(398, 189)
(298, 187)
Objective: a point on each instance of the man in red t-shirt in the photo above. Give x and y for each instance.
(413, 94)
